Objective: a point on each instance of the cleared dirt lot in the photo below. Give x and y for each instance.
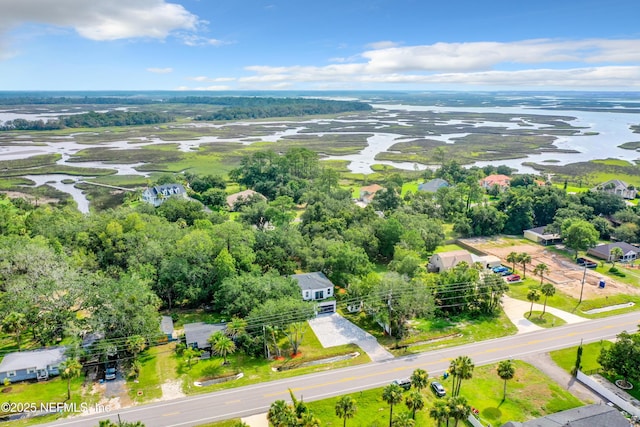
(564, 273)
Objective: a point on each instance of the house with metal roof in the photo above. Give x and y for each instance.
(32, 365)
(433, 185)
(197, 334)
(158, 194)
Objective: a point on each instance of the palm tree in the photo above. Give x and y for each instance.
(403, 420)
(136, 344)
(513, 259)
(461, 368)
(547, 290)
(69, 369)
(440, 412)
(235, 328)
(392, 394)
(414, 402)
(459, 408)
(506, 371)
(222, 345)
(346, 408)
(419, 379)
(280, 414)
(524, 259)
(540, 270)
(615, 254)
(533, 296)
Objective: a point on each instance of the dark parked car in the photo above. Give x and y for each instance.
(438, 389)
(404, 383)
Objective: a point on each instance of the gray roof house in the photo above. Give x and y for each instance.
(630, 252)
(158, 194)
(32, 365)
(617, 187)
(315, 287)
(166, 326)
(197, 334)
(433, 185)
(583, 416)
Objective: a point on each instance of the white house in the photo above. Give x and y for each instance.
(629, 252)
(444, 261)
(316, 287)
(158, 194)
(617, 187)
(538, 235)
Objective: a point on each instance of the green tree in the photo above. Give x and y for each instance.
(222, 345)
(461, 368)
(440, 412)
(70, 369)
(189, 354)
(623, 357)
(540, 270)
(615, 254)
(459, 408)
(548, 290)
(15, 323)
(506, 370)
(403, 420)
(419, 378)
(392, 394)
(513, 259)
(346, 408)
(579, 234)
(524, 259)
(414, 402)
(281, 415)
(533, 295)
(578, 364)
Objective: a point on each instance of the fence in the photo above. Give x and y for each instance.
(608, 394)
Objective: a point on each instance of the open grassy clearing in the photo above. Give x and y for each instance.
(566, 358)
(530, 394)
(158, 366)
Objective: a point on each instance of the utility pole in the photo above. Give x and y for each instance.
(584, 275)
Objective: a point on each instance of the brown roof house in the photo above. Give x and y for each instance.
(368, 192)
(240, 197)
(630, 252)
(502, 181)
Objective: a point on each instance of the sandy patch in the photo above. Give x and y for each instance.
(564, 273)
(172, 390)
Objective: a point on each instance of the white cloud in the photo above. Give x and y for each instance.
(595, 63)
(211, 79)
(382, 45)
(103, 20)
(196, 40)
(160, 70)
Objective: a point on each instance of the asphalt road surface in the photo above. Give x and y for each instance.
(253, 399)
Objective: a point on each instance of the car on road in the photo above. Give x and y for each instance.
(438, 389)
(404, 383)
(513, 278)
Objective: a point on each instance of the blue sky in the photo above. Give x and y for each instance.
(305, 45)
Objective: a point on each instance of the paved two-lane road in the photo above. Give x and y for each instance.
(248, 400)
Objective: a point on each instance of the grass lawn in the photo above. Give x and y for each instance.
(567, 303)
(48, 392)
(226, 423)
(530, 394)
(158, 366)
(180, 317)
(257, 370)
(547, 320)
(566, 358)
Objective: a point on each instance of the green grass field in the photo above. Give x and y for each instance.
(566, 358)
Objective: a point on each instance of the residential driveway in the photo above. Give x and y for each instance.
(516, 309)
(333, 330)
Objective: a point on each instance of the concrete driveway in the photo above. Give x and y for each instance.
(333, 330)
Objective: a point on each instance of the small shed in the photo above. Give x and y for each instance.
(166, 326)
(539, 235)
